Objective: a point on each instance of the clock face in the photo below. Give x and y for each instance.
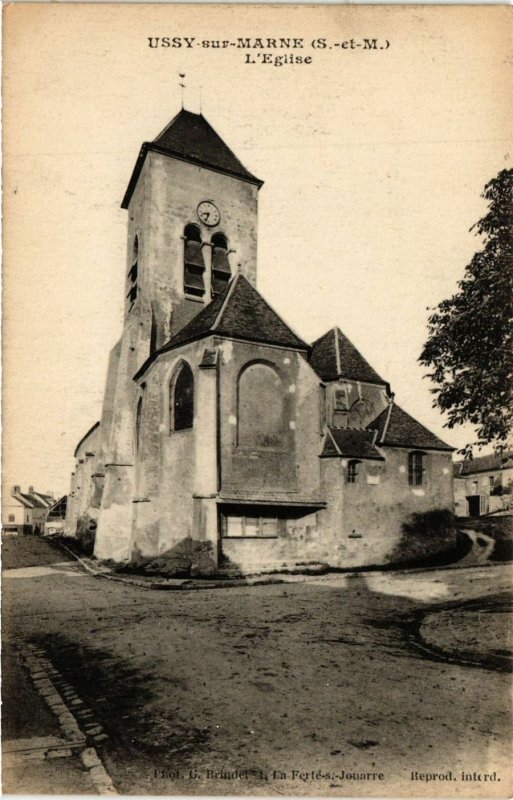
(208, 213)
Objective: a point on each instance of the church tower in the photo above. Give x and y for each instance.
(192, 225)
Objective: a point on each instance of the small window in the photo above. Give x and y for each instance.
(352, 471)
(221, 271)
(153, 332)
(182, 400)
(133, 274)
(138, 417)
(194, 264)
(250, 527)
(491, 482)
(28, 518)
(341, 399)
(11, 517)
(417, 468)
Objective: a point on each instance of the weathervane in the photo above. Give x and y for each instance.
(182, 85)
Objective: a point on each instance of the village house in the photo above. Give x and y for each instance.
(483, 485)
(25, 512)
(224, 437)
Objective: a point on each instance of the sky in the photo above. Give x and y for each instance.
(373, 162)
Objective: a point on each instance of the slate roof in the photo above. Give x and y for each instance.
(351, 443)
(493, 461)
(240, 312)
(396, 428)
(190, 137)
(334, 356)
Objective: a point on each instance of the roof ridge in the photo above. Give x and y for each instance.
(166, 127)
(229, 293)
(337, 330)
(387, 421)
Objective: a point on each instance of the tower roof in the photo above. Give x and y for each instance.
(189, 137)
(240, 312)
(334, 356)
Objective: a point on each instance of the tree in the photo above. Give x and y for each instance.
(470, 342)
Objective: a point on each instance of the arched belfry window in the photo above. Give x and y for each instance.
(133, 273)
(221, 272)
(181, 399)
(260, 417)
(194, 264)
(138, 417)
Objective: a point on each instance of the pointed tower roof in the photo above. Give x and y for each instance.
(240, 312)
(334, 356)
(189, 137)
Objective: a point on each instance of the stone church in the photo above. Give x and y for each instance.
(224, 437)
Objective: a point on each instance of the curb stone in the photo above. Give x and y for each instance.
(74, 737)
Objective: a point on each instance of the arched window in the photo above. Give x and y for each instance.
(352, 470)
(138, 417)
(181, 400)
(221, 272)
(260, 417)
(194, 264)
(416, 468)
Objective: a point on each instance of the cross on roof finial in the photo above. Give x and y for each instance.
(182, 85)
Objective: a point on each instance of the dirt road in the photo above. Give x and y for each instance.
(287, 689)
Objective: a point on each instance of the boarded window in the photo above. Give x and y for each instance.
(260, 407)
(416, 468)
(133, 274)
(221, 271)
(182, 400)
(194, 264)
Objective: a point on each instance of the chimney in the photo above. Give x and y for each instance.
(31, 490)
(15, 490)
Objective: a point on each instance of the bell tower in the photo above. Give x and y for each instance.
(192, 225)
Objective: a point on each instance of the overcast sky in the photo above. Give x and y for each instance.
(373, 163)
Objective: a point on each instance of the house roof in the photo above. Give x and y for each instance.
(351, 443)
(240, 312)
(493, 461)
(58, 510)
(334, 356)
(189, 137)
(31, 501)
(396, 428)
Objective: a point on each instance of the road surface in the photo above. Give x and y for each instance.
(318, 687)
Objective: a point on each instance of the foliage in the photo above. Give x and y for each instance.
(470, 343)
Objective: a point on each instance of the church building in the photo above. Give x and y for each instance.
(225, 439)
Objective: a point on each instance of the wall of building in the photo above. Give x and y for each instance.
(479, 484)
(12, 508)
(363, 521)
(82, 487)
